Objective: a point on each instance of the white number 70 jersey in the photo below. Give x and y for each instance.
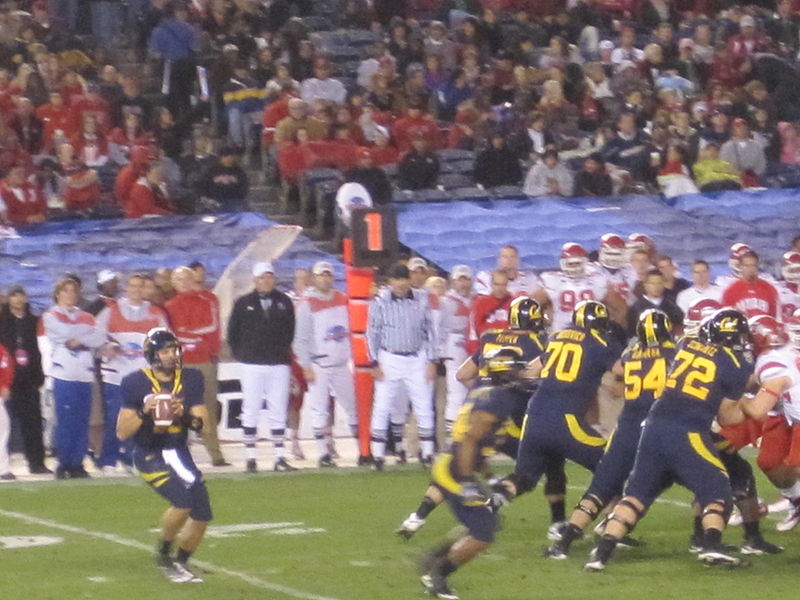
(565, 292)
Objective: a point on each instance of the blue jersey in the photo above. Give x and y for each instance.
(573, 365)
(187, 385)
(501, 401)
(644, 376)
(529, 344)
(699, 377)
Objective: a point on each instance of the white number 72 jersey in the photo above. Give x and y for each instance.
(565, 292)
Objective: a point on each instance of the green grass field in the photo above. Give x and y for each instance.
(333, 539)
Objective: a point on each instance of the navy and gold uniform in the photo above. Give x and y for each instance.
(573, 365)
(530, 345)
(161, 454)
(501, 402)
(644, 377)
(676, 443)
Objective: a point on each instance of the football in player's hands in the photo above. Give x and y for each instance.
(163, 408)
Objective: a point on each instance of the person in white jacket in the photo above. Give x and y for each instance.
(125, 322)
(73, 335)
(456, 305)
(322, 347)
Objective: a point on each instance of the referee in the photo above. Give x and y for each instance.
(403, 351)
(260, 333)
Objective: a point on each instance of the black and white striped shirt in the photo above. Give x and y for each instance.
(401, 325)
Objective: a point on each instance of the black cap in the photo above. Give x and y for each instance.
(399, 272)
(15, 289)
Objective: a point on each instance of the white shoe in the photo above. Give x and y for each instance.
(555, 530)
(178, 573)
(108, 471)
(782, 505)
(717, 556)
(790, 521)
(736, 519)
(410, 526)
(594, 565)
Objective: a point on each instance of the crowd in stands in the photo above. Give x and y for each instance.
(561, 98)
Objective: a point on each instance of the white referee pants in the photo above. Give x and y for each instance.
(260, 382)
(336, 380)
(5, 431)
(456, 391)
(402, 373)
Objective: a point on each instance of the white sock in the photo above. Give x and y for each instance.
(792, 493)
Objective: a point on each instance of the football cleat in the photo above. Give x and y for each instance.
(718, 555)
(251, 466)
(790, 521)
(758, 546)
(594, 564)
(695, 544)
(628, 542)
(556, 552)
(782, 505)
(8, 476)
(281, 466)
(378, 464)
(427, 462)
(556, 530)
(410, 526)
(401, 456)
(326, 462)
(736, 519)
(178, 573)
(436, 586)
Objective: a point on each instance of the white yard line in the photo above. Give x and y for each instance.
(121, 541)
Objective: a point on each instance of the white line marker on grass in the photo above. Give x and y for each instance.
(121, 541)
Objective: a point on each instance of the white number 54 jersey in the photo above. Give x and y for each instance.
(782, 362)
(565, 292)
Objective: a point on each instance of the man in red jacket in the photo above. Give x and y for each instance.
(195, 320)
(148, 195)
(416, 123)
(24, 201)
(490, 312)
(140, 160)
(750, 294)
(6, 379)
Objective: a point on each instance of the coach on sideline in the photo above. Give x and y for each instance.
(403, 350)
(260, 334)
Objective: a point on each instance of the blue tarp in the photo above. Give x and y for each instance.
(689, 227)
(44, 252)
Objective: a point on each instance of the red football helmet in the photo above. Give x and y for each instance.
(736, 253)
(790, 267)
(612, 251)
(767, 333)
(640, 241)
(697, 311)
(793, 328)
(574, 259)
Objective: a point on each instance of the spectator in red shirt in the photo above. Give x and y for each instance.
(742, 46)
(81, 188)
(490, 312)
(140, 159)
(24, 201)
(56, 121)
(195, 320)
(415, 123)
(751, 294)
(90, 143)
(148, 195)
(92, 103)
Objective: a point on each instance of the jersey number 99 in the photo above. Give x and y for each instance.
(691, 374)
(563, 361)
(653, 381)
(568, 299)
